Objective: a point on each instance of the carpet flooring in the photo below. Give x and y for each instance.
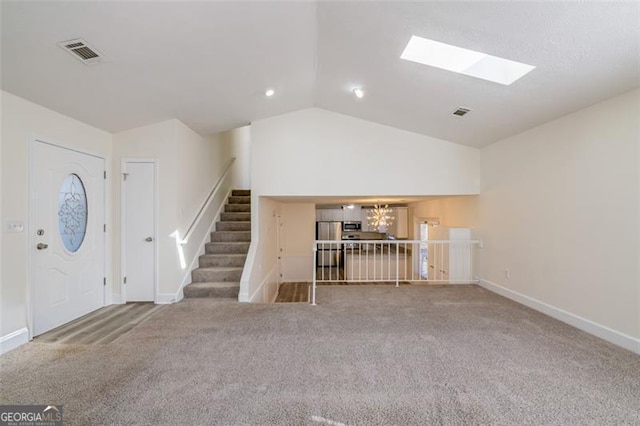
(414, 355)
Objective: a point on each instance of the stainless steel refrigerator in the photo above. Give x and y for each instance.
(329, 254)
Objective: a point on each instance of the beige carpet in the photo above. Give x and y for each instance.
(365, 355)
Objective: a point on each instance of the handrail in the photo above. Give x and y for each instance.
(207, 202)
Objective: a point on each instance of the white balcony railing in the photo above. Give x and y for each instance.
(393, 261)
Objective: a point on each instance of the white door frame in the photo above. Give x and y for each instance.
(279, 251)
(123, 224)
(31, 240)
(417, 221)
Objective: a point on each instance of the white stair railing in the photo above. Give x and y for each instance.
(393, 261)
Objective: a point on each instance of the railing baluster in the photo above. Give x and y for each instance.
(372, 261)
(397, 265)
(313, 285)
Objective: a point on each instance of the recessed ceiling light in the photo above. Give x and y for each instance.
(269, 93)
(358, 92)
(464, 61)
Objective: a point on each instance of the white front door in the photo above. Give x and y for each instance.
(139, 256)
(68, 235)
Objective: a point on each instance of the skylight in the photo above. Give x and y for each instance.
(464, 61)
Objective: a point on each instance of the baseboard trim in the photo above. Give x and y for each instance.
(610, 335)
(116, 299)
(259, 292)
(245, 280)
(13, 340)
(167, 298)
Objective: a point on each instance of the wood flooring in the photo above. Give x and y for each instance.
(298, 292)
(102, 326)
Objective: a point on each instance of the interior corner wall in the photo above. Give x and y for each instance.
(22, 122)
(188, 167)
(560, 211)
(237, 143)
(314, 152)
(259, 282)
(453, 212)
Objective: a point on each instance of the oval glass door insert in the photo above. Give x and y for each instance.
(72, 212)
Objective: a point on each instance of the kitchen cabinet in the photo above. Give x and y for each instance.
(449, 262)
(352, 215)
(400, 226)
(329, 215)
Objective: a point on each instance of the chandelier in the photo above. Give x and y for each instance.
(380, 217)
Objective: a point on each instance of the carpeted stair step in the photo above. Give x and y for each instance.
(235, 216)
(222, 264)
(230, 236)
(233, 226)
(226, 248)
(219, 290)
(230, 208)
(222, 274)
(241, 193)
(222, 260)
(239, 200)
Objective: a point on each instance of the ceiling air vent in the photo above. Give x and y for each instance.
(82, 51)
(461, 111)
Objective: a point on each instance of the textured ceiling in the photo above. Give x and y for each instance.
(208, 63)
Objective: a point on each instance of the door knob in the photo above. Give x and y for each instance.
(42, 246)
(148, 239)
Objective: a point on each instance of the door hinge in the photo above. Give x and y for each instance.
(124, 176)
(104, 228)
(105, 174)
(125, 280)
(104, 281)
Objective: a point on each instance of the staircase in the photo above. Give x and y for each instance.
(220, 268)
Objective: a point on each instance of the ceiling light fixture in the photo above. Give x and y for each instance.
(358, 92)
(269, 93)
(464, 61)
(380, 217)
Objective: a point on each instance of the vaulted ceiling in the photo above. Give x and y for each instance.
(209, 63)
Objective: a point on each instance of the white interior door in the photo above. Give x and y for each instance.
(68, 235)
(139, 254)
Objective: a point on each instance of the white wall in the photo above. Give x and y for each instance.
(259, 281)
(189, 166)
(314, 152)
(560, 210)
(237, 143)
(296, 240)
(22, 121)
(453, 212)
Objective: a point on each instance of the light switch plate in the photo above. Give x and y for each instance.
(15, 226)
